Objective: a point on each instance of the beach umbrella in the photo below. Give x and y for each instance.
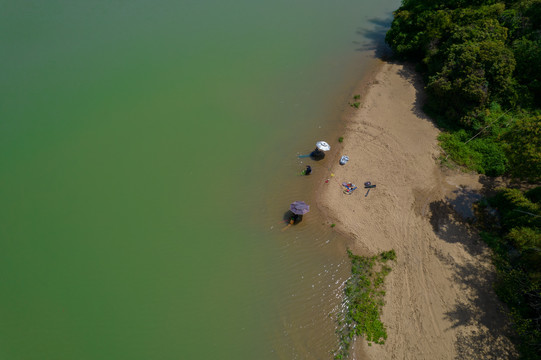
(299, 207)
(323, 146)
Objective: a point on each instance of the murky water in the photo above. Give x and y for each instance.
(147, 158)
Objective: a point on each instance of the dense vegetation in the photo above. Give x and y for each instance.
(481, 61)
(516, 243)
(363, 300)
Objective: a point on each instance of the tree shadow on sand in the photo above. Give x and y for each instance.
(450, 227)
(483, 326)
(482, 333)
(414, 78)
(375, 41)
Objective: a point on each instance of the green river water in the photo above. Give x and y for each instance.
(148, 153)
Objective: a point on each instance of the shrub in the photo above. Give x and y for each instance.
(460, 152)
(493, 160)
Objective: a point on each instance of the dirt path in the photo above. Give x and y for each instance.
(439, 302)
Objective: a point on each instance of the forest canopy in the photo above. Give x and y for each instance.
(481, 62)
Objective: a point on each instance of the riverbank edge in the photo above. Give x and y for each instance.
(418, 311)
(349, 114)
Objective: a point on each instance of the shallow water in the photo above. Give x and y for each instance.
(148, 154)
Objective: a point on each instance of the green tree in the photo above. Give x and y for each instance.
(523, 147)
(528, 70)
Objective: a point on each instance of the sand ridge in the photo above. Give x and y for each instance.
(439, 300)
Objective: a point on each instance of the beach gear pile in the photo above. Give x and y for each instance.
(349, 188)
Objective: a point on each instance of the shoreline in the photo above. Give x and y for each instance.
(439, 300)
(349, 115)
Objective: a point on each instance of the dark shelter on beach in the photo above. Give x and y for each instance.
(295, 219)
(319, 151)
(296, 210)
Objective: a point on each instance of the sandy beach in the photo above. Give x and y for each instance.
(439, 300)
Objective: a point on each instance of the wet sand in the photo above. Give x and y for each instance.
(439, 300)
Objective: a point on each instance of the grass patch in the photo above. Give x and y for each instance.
(341, 139)
(483, 155)
(356, 104)
(357, 97)
(363, 300)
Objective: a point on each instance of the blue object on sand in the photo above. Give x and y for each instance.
(344, 159)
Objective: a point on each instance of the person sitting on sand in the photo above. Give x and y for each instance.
(308, 170)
